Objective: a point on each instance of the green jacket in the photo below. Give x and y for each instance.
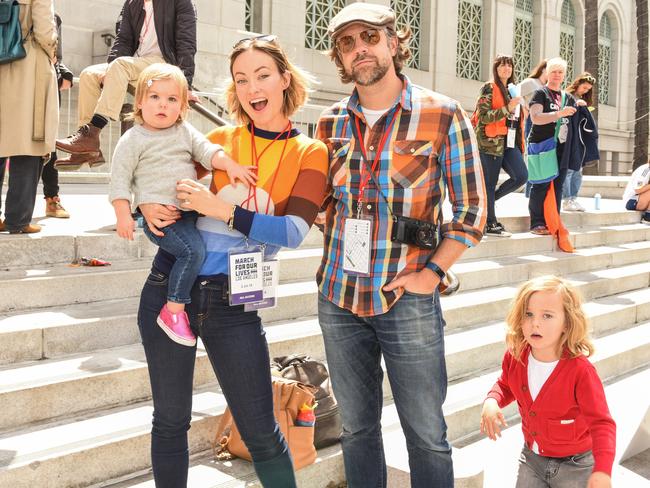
(494, 146)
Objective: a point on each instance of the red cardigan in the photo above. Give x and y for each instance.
(569, 415)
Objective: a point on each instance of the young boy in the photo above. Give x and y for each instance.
(637, 192)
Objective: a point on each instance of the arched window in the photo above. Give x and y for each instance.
(408, 13)
(604, 59)
(568, 39)
(522, 48)
(468, 44)
(318, 16)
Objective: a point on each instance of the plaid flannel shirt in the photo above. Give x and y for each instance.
(431, 147)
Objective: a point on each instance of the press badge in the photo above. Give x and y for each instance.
(356, 246)
(245, 275)
(510, 141)
(270, 277)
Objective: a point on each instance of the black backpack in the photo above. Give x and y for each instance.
(11, 36)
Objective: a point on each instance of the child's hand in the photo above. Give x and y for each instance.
(599, 479)
(125, 227)
(242, 173)
(492, 419)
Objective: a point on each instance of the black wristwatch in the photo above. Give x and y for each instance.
(436, 269)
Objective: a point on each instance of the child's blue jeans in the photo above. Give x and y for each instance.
(183, 240)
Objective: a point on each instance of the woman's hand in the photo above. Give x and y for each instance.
(599, 479)
(513, 103)
(566, 112)
(196, 196)
(492, 419)
(159, 216)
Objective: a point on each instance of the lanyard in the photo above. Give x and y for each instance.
(366, 177)
(252, 189)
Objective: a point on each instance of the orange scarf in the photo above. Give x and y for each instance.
(554, 222)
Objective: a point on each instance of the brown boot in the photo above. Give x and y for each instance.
(85, 140)
(2, 226)
(53, 208)
(28, 229)
(74, 161)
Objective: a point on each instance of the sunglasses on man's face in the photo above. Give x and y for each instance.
(263, 38)
(370, 37)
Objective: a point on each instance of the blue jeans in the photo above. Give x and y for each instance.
(410, 338)
(513, 163)
(537, 471)
(183, 240)
(236, 345)
(572, 184)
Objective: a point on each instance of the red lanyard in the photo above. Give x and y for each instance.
(252, 190)
(375, 163)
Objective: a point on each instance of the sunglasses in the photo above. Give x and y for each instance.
(589, 79)
(263, 38)
(370, 37)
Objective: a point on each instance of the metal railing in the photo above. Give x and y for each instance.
(205, 116)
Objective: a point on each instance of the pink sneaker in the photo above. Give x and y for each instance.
(176, 326)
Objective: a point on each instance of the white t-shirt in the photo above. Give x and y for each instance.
(638, 179)
(372, 116)
(148, 38)
(538, 373)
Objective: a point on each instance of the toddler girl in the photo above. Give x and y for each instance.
(570, 437)
(149, 159)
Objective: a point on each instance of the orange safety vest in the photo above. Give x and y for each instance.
(499, 128)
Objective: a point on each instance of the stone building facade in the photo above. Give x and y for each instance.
(454, 43)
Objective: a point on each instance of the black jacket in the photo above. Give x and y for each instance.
(175, 22)
(581, 145)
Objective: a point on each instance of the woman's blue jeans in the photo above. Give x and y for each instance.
(572, 183)
(236, 345)
(411, 340)
(513, 163)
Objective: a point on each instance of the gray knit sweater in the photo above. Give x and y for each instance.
(147, 164)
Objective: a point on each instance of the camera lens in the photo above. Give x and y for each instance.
(425, 235)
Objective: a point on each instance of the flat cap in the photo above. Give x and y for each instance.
(364, 13)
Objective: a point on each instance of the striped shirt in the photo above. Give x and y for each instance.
(431, 149)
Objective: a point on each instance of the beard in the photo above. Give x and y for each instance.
(369, 75)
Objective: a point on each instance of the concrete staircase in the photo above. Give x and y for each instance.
(74, 388)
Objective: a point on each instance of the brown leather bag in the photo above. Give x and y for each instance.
(288, 397)
(301, 367)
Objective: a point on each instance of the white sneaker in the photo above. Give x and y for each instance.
(568, 205)
(576, 206)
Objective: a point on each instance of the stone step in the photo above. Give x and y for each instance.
(37, 390)
(74, 452)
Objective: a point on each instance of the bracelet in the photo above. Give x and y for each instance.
(436, 269)
(231, 220)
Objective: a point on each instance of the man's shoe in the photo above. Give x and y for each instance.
(176, 326)
(28, 229)
(85, 140)
(53, 208)
(496, 229)
(75, 161)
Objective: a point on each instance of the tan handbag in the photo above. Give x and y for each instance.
(288, 397)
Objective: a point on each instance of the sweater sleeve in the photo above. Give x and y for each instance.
(123, 165)
(590, 396)
(304, 202)
(202, 149)
(501, 391)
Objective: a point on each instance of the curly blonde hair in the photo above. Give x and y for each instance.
(575, 340)
(295, 95)
(158, 72)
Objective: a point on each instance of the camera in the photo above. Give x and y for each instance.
(414, 232)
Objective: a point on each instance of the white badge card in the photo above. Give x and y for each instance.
(271, 278)
(511, 137)
(356, 246)
(564, 131)
(245, 275)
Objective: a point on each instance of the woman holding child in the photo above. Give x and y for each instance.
(277, 210)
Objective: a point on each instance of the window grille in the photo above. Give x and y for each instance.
(408, 13)
(248, 16)
(604, 59)
(523, 38)
(468, 44)
(568, 39)
(318, 16)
